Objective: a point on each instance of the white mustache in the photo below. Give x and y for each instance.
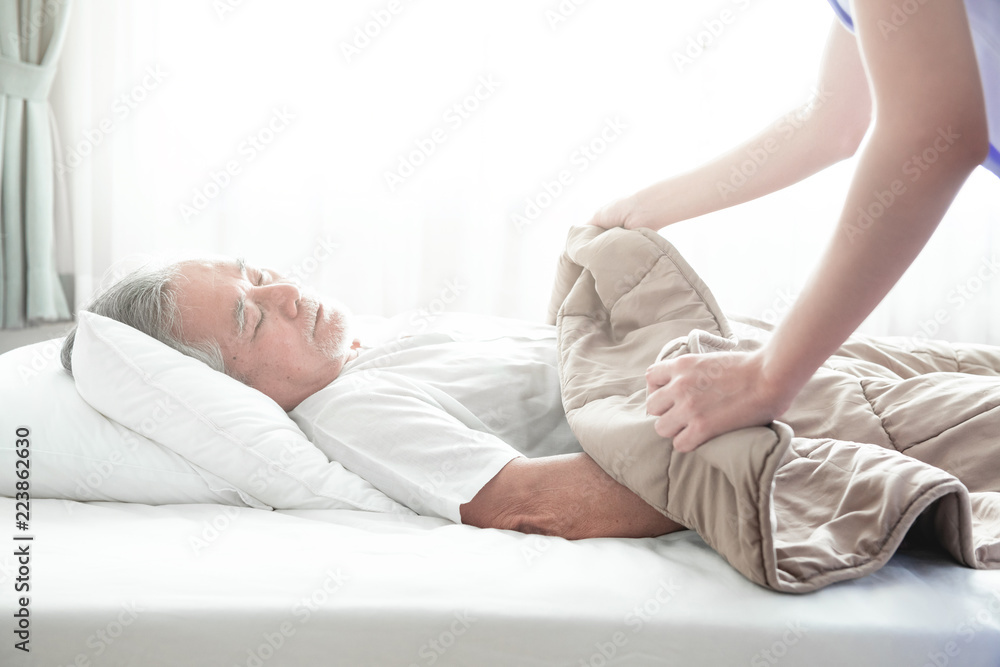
(334, 313)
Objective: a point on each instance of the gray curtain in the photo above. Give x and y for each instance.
(31, 37)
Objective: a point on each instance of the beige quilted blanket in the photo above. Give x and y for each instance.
(885, 440)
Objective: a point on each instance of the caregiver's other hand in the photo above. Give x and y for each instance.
(627, 212)
(700, 396)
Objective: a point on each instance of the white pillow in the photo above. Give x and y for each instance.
(212, 420)
(76, 453)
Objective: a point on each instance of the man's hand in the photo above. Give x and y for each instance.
(700, 396)
(568, 496)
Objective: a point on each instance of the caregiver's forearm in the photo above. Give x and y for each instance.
(891, 211)
(778, 157)
(930, 132)
(808, 139)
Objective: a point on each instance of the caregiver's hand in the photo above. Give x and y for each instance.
(700, 396)
(627, 212)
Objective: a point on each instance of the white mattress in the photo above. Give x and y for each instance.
(119, 584)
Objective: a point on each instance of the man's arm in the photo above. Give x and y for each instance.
(568, 496)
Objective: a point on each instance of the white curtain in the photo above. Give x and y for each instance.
(31, 38)
(431, 155)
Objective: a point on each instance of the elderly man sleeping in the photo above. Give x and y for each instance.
(469, 424)
(399, 412)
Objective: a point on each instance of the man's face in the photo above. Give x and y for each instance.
(287, 343)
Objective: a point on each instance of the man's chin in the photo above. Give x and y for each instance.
(333, 335)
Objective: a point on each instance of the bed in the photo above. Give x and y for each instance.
(212, 581)
(175, 521)
(196, 584)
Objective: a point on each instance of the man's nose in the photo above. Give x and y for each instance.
(283, 296)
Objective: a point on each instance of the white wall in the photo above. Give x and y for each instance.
(448, 230)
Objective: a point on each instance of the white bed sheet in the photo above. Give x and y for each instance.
(138, 585)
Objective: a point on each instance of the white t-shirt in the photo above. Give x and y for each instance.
(431, 417)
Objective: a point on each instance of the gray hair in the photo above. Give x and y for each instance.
(145, 299)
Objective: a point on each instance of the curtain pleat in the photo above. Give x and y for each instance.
(30, 289)
(12, 217)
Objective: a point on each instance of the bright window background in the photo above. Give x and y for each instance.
(446, 236)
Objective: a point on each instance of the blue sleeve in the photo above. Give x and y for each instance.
(842, 14)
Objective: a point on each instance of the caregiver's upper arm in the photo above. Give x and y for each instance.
(843, 92)
(922, 67)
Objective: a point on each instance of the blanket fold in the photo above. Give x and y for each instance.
(885, 437)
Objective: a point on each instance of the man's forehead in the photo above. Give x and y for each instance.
(208, 306)
(215, 262)
(200, 280)
(210, 269)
